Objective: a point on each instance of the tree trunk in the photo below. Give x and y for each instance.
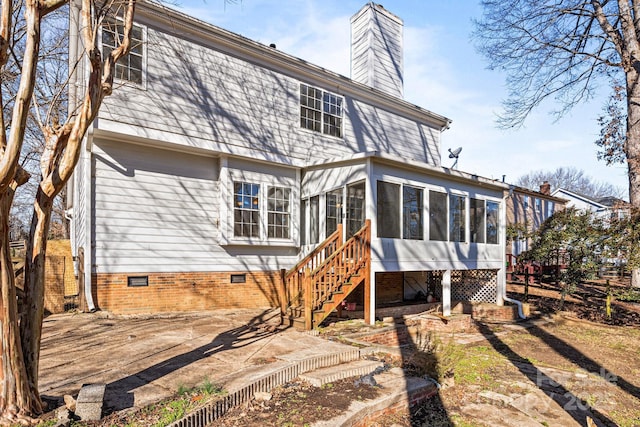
(31, 324)
(17, 402)
(632, 147)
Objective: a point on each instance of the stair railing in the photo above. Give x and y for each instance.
(336, 269)
(293, 279)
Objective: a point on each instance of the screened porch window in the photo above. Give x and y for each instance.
(457, 213)
(314, 217)
(437, 216)
(477, 220)
(412, 213)
(492, 222)
(388, 217)
(355, 208)
(333, 210)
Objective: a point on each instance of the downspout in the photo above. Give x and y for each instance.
(89, 248)
(514, 301)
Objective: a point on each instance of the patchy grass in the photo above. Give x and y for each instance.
(628, 295)
(165, 412)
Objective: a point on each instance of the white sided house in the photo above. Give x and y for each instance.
(224, 173)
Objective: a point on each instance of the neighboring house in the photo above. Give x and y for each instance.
(527, 210)
(220, 161)
(606, 208)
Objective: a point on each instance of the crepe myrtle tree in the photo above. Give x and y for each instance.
(21, 30)
(562, 50)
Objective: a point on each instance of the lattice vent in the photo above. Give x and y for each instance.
(469, 285)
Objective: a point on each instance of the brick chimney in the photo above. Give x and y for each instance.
(376, 49)
(545, 188)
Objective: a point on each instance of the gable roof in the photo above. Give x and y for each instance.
(581, 197)
(243, 47)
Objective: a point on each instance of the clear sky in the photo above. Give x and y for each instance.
(442, 73)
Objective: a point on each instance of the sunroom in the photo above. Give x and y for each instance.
(433, 232)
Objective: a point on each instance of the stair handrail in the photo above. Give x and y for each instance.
(292, 278)
(343, 263)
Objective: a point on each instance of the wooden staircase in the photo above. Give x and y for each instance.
(321, 281)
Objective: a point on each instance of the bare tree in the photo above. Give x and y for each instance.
(562, 49)
(571, 179)
(20, 339)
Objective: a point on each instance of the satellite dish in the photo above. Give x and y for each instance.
(454, 155)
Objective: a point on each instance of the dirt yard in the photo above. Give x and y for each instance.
(579, 364)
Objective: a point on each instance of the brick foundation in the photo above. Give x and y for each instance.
(389, 287)
(410, 332)
(168, 292)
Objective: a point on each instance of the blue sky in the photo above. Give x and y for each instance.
(442, 73)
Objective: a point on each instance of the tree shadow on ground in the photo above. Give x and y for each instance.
(569, 402)
(419, 358)
(119, 394)
(568, 351)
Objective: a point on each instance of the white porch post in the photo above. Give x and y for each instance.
(372, 296)
(501, 288)
(446, 293)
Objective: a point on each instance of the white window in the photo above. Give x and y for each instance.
(246, 209)
(279, 218)
(388, 217)
(412, 213)
(259, 215)
(538, 205)
(477, 220)
(492, 222)
(437, 216)
(130, 67)
(457, 218)
(320, 111)
(550, 208)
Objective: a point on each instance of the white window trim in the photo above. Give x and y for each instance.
(322, 114)
(145, 55)
(262, 240)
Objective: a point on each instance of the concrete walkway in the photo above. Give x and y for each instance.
(143, 360)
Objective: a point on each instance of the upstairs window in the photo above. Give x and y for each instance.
(320, 111)
(550, 209)
(129, 67)
(537, 203)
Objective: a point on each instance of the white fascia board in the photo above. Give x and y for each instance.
(440, 171)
